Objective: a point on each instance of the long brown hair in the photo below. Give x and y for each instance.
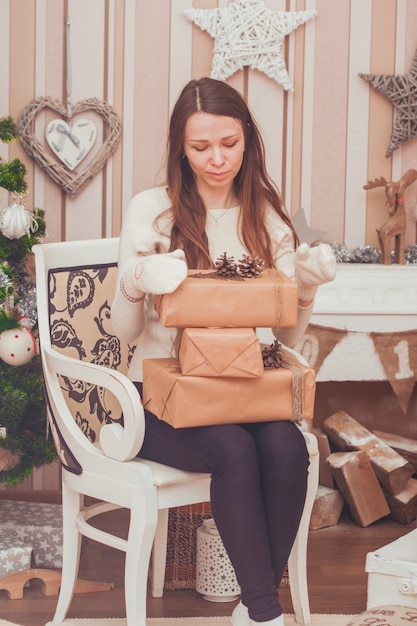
(252, 186)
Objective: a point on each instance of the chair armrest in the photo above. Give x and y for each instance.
(118, 442)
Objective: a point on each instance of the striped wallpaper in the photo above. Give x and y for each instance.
(324, 140)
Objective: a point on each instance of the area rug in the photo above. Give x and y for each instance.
(316, 620)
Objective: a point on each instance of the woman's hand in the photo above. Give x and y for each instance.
(160, 273)
(313, 267)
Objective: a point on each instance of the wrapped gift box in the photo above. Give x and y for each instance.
(220, 352)
(15, 555)
(203, 300)
(183, 401)
(38, 525)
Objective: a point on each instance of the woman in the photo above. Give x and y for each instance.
(220, 198)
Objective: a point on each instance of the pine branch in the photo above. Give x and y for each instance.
(12, 176)
(8, 130)
(9, 321)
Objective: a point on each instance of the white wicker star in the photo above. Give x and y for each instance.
(247, 33)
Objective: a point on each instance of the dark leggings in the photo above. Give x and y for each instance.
(259, 479)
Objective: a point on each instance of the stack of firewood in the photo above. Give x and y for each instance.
(373, 473)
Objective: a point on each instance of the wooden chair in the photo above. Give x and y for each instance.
(97, 421)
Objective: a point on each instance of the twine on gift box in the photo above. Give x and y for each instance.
(273, 358)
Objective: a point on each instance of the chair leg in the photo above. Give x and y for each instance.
(72, 503)
(143, 520)
(297, 562)
(159, 555)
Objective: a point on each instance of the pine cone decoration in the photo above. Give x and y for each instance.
(272, 355)
(226, 266)
(250, 266)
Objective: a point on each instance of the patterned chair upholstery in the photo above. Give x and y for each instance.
(80, 327)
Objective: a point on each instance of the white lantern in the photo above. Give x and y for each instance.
(215, 575)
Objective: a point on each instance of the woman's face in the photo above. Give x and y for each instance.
(214, 146)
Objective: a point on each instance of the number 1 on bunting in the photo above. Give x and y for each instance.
(404, 369)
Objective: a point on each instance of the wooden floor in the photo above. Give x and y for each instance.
(336, 574)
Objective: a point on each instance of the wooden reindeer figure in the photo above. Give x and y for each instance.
(396, 222)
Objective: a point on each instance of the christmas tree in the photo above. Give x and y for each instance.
(23, 442)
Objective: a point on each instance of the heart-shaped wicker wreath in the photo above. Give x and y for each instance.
(71, 182)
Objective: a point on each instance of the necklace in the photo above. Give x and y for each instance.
(217, 219)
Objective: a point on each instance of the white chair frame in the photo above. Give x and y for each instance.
(114, 475)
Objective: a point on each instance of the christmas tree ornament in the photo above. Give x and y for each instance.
(6, 285)
(8, 460)
(248, 34)
(402, 91)
(70, 138)
(17, 346)
(16, 220)
(27, 306)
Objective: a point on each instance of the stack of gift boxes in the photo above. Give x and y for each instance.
(219, 375)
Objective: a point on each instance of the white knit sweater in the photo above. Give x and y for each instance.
(138, 319)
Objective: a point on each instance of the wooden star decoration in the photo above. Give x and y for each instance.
(402, 91)
(247, 33)
(303, 230)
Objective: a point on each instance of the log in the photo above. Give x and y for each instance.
(327, 508)
(325, 476)
(356, 479)
(345, 433)
(403, 445)
(403, 506)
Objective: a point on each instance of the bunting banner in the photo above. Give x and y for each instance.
(318, 342)
(397, 352)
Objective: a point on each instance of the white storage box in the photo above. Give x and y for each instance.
(392, 573)
(38, 525)
(15, 555)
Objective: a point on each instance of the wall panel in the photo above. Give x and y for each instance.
(330, 118)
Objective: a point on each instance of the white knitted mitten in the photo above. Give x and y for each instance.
(160, 273)
(313, 267)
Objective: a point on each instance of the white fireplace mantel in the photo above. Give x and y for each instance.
(364, 298)
(369, 297)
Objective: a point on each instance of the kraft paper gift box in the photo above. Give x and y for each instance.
(38, 525)
(204, 300)
(220, 352)
(183, 401)
(15, 554)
